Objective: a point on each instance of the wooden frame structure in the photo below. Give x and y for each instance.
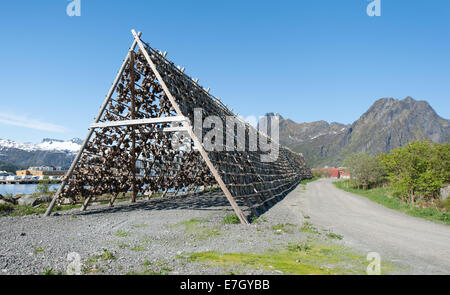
(153, 99)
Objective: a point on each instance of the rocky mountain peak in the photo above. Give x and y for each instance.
(387, 124)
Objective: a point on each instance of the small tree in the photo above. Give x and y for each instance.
(365, 169)
(43, 186)
(419, 168)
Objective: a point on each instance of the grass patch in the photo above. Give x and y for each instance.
(48, 272)
(308, 227)
(146, 240)
(65, 207)
(158, 268)
(332, 235)
(258, 220)
(120, 200)
(122, 245)
(142, 225)
(298, 259)
(138, 249)
(149, 272)
(206, 233)
(122, 234)
(283, 227)
(382, 195)
(107, 255)
(143, 273)
(212, 189)
(39, 250)
(92, 265)
(18, 210)
(305, 181)
(197, 230)
(190, 223)
(6, 208)
(231, 219)
(302, 247)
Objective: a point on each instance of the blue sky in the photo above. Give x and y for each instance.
(307, 60)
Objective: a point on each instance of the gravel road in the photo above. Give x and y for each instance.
(422, 246)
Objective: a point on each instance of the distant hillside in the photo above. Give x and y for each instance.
(50, 152)
(387, 124)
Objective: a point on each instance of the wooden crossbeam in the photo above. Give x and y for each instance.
(138, 122)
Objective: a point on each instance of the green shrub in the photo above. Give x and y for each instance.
(418, 170)
(231, 219)
(6, 208)
(43, 186)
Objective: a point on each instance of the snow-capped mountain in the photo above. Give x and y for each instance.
(48, 144)
(50, 152)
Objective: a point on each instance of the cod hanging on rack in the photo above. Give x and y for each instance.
(132, 145)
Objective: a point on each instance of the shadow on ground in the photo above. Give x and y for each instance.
(213, 201)
(210, 200)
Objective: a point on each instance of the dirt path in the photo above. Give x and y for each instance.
(422, 246)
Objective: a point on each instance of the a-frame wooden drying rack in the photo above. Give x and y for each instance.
(186, 126)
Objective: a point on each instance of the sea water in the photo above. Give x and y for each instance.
(16, 189)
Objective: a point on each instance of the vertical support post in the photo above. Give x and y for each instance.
(86, 203)
(91, 130)
(133, 134)
(113, 199)
(186, 124)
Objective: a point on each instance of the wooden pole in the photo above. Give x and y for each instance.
(186, 124)
(113, 199)
(91, 130)
(85, 203)
(133, 134)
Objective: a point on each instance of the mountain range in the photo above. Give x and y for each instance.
(50, 152)
(389, 123)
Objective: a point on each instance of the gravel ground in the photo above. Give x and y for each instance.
(152, 232)
(153, 235)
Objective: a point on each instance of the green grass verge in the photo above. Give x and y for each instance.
(382, 195)
(17, 210)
